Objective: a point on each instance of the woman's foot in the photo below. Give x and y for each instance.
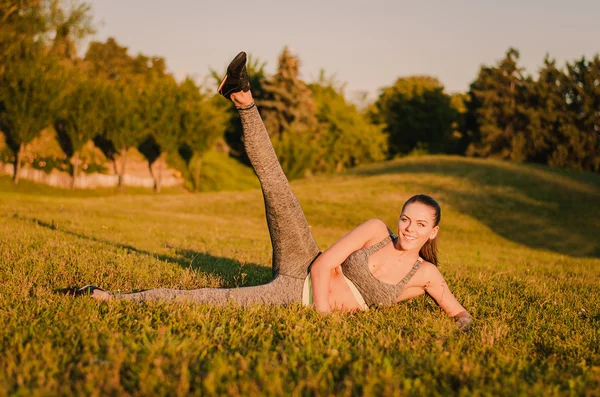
(95, 292)
(236, 78)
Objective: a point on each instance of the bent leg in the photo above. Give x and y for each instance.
(282, 290)
(293, 245)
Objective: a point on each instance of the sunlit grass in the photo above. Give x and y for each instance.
(519, 245)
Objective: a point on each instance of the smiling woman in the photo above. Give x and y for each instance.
(370, 266)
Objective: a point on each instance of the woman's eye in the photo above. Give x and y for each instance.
(421, 224)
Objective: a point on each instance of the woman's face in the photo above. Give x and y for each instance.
(416, 226)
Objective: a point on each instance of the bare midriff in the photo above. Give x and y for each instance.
(340, 295)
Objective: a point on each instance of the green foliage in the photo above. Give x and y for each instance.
(80, 118)
(123, 124)
(70, 24)
(202, 122)
(31, 77)
(20, 21)
(416, 111)
(289, 116)
(159, 112)
(553, 120)
(347, 138)
(220, 172)
(506, 257)
(287, 104)
(30, 84)
(501, 98)
(579, 146)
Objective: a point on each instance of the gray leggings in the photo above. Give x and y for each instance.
(294, 248)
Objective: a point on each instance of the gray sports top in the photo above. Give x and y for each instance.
(374, 291)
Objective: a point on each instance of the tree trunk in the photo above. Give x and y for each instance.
(121, 183)
(75, 162)
(196, 174)
(155, 176)
(18, 160)
(161, 166)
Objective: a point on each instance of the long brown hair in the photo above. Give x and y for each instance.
(429, 251)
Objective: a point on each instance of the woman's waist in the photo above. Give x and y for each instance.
(343, 294)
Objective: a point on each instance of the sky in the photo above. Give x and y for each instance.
(365, 44)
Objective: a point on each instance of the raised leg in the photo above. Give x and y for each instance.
(293, 245)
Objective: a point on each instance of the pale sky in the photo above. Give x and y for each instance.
(367, 44)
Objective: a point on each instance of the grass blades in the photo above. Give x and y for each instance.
(520, 250)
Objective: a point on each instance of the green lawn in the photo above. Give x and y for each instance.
(520, 249)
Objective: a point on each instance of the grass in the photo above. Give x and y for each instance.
(520, 250)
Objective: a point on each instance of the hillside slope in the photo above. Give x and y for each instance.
(519, 249)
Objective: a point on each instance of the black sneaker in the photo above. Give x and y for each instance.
(236, 79)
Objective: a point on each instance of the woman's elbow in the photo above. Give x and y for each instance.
(323, 264)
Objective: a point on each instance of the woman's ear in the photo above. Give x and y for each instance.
(434, 232)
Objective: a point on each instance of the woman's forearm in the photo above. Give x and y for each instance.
(443, 296)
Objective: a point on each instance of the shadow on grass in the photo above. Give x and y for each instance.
(536, 206)
(231, 271)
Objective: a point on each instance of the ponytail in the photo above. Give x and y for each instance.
(429, 251)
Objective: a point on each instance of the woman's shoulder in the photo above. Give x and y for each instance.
(376, 225)
(428, 268)
(375, 229)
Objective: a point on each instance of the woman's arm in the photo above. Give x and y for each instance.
(334, 256)
(437, 288)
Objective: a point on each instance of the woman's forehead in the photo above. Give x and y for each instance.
(418, 211)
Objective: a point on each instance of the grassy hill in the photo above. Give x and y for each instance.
(520, 250)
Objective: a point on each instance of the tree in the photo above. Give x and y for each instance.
(70, 25)
(580, 148)
(415, 112)
(30, 83)
(20, 20)
(289, 115)
(202, 123)
(347, 138)
(123, 123)
(549, 114)
(80, 118)
(500, 110)
(158, 102)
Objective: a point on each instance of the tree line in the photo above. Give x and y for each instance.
(123, 101)
(118, 100)
(506, 114)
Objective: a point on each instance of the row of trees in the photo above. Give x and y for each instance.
(312, 126)
(122, 101)
(506, 114)
(118, 100)
(552, 120)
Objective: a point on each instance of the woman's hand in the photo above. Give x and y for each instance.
(463, 320)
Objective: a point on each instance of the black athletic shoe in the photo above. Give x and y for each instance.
(236, 79)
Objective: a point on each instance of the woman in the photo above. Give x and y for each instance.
(367, 267)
